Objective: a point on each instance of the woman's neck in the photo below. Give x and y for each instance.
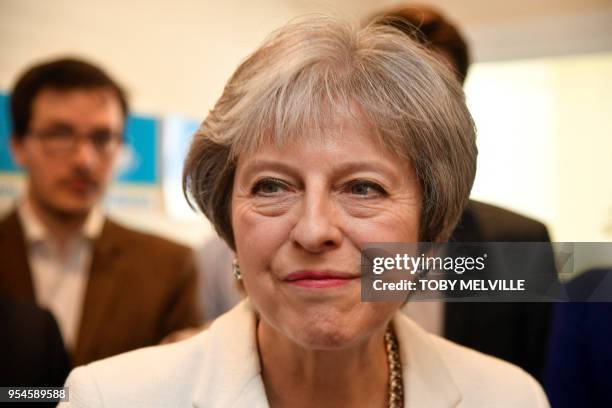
(297, 377)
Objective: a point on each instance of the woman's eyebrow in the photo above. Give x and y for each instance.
(258, 165)
(344, 169)
(338, 170)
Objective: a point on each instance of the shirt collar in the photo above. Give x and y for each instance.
(35, 231)
(92, 228)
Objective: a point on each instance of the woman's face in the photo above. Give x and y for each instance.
(300, 216)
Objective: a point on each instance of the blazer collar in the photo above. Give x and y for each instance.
(233, 375)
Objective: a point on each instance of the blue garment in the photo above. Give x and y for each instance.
(579, 369)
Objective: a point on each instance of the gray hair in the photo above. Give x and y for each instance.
(314, 68)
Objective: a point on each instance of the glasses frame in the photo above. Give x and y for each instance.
(51, 140)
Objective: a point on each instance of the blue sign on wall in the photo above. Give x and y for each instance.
(139, 164)
(6, 159)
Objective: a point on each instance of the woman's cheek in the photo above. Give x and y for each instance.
(385, 226)
(259, 235)
(272, 206)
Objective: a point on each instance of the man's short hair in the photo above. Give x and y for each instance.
(64, 74)
(432, 29)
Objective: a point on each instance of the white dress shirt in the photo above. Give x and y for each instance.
(60, 276)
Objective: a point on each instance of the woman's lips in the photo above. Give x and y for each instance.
(319, 279)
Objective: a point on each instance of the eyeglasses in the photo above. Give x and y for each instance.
(63, 141)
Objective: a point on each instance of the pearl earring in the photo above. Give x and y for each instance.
(236, 270)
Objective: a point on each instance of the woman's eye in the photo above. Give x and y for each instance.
(268, 187)
(366, 189)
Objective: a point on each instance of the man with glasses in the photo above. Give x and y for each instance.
(110, 288)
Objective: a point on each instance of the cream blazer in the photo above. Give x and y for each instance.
(220, 368)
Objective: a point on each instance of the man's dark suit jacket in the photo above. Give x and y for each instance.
(580, 354)
(140, 288)
(515, 332)
(31, 347)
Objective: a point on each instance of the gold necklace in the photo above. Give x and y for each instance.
(396, 385)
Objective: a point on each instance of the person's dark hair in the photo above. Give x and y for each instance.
(429, 27)
(61, 74)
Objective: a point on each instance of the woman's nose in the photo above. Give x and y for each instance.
(317, 229)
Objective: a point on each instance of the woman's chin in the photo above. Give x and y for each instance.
(331, 325)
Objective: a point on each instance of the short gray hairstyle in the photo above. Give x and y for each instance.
(317, 67)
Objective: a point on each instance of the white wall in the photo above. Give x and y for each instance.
(507, 30)
(545, 141)
(583, 165)
(173, 56)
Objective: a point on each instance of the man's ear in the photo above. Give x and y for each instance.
(17, 150)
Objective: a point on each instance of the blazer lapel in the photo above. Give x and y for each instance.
(232, 377)
(232, 374)
(427, 381)
(15, 274)
(99, 294)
